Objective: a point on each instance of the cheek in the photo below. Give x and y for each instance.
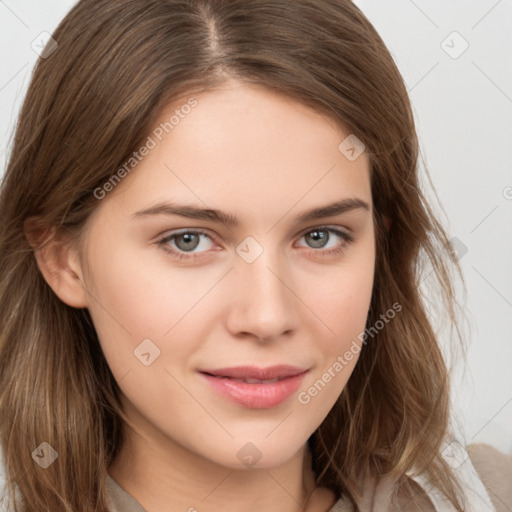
(343, 298)
(341, 302)
(140, 297)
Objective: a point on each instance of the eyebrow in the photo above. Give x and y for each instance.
(193, 212)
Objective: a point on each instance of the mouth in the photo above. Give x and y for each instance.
(253, 387)
(249, 381)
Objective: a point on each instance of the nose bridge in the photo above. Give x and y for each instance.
(264, 303)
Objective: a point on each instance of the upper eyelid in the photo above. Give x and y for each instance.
(326, 227)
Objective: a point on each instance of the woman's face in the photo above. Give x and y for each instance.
(271, 288)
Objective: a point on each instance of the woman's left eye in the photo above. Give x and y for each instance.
(186, 241)
(321, 236)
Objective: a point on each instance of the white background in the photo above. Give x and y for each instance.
(463, 110)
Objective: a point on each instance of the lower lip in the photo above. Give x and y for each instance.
(256, 396)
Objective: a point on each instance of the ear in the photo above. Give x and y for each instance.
(58, 262)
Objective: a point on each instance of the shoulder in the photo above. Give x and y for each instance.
(418, 492)
(386, 494)
(495, 471)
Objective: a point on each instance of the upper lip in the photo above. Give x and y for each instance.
(253, 372)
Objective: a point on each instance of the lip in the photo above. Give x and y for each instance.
(256, 395)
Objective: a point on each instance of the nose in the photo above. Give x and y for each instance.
(264, 305)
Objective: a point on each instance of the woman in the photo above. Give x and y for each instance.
(286, 356)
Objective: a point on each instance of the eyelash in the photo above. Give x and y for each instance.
(163, 242)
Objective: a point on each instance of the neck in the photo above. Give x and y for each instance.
(164, 476)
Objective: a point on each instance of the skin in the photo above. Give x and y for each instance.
(264, 159)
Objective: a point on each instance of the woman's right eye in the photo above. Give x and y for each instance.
(184, 241)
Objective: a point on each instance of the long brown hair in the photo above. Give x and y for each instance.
(89, 105)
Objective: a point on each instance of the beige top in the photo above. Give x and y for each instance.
(382, 496)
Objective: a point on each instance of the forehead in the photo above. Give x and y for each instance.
(245, 146)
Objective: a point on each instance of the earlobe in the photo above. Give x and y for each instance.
(58, 262)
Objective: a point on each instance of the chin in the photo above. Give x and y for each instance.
(258, 453)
